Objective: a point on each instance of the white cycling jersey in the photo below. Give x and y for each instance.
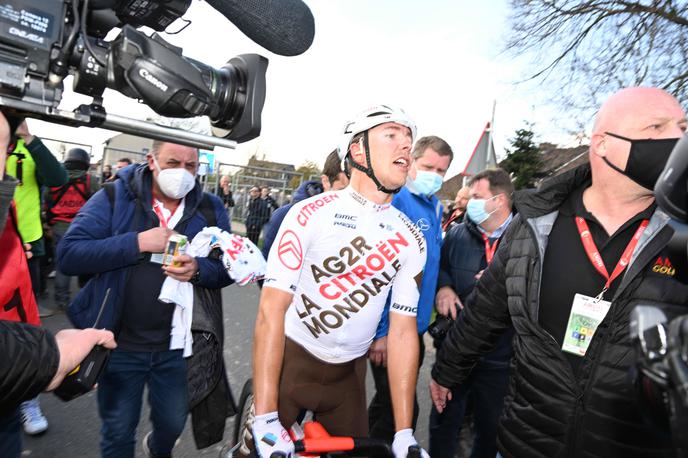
(339, 254)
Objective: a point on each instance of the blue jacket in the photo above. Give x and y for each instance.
(103, 241)
(271, 228)
(426, 213)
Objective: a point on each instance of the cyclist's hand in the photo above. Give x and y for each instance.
(402, 441)
(269, 436)
(378, 352)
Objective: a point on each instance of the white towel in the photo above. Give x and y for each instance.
(244, 263)
(181, 294)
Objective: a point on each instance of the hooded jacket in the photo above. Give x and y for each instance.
(549, 411)
(103, 241)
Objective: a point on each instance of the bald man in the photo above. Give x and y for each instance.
(460, 202)
(570, 391)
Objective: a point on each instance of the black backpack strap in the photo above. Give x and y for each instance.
(60, 194)
(55, 198)
(207, 210)
(82, 180)
(110, 191)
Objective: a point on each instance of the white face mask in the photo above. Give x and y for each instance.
(174, 183)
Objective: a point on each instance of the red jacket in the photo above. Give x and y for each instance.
(17, 301)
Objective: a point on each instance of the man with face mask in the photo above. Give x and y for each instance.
(431, 157)
(121, 237)
(467, 250)
(571, 267)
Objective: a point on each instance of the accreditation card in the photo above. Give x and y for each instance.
(586, 315)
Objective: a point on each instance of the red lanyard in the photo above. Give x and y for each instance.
(490, 249)
(156, 208)
(455, 214)
(594, 254)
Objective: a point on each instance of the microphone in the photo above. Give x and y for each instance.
(284, 27)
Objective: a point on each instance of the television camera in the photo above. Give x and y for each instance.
(43, 41)
(660, 331)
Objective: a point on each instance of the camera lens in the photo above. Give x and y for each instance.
(238, 90)
(438, 329)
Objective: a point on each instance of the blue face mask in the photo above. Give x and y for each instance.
(475, 210)
(427, 183)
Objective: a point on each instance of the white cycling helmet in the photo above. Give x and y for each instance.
(370, 118)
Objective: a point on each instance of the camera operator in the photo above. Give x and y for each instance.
(467, 250)
(574, 262)
(32, 359)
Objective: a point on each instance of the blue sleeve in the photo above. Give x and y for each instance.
(271, 228)
(89, 246)
(398, 202)
(213, 275)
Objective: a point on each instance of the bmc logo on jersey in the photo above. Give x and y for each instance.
(663, 266)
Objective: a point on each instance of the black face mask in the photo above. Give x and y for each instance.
(646, 159)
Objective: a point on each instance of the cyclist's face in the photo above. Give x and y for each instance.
(390, 153)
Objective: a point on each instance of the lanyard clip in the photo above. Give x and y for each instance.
(600, 296)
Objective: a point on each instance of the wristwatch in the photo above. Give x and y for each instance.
(196, 278)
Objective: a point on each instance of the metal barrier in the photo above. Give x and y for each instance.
(244, 177)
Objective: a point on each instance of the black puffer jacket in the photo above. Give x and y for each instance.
(463, 256)
(550, 412)
(28, 363)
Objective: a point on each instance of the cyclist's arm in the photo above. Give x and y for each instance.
(402, 338)
(402, 367)
(268, 348)
(281, 280)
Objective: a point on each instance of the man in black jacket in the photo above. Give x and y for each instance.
(468, 249)
(573, 264)
(257, 215)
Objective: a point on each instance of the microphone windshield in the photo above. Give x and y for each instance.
(284, 27)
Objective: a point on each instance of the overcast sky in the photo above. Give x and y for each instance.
(438, 59)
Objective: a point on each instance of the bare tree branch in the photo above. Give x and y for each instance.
(584, 50)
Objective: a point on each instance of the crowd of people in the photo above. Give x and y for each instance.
(526, 295)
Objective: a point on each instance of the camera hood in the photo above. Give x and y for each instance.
(671, 190)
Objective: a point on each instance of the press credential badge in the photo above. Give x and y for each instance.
(586, 315)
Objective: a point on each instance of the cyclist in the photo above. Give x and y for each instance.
(334, 262)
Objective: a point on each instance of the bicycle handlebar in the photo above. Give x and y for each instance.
(362, 445)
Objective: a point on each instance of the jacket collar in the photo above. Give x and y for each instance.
(552, 193)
